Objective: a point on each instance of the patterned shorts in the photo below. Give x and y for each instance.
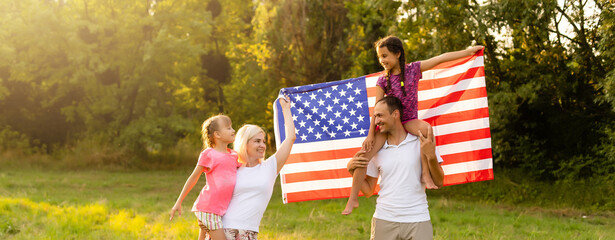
(238, 234)
(209, 221)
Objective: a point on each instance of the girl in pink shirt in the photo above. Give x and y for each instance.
(220, 166)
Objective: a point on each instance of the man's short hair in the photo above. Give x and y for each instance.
(393, 103)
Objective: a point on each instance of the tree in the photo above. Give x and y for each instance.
(369, 21)
(293, 43)
(606, 46)
(542, 104)
(38, 70)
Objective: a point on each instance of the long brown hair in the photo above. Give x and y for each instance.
(394, 45)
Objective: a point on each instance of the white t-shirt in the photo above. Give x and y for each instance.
(251, 196)
(402, 196)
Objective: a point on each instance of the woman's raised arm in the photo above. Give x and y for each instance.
(281, 155)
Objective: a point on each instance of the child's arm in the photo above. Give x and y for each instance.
(192, 180)
(281, 155)
(449, 56)
(369, 140)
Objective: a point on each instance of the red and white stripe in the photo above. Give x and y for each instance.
(452, 98)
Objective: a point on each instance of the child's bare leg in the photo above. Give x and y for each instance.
(205, 233)
(359, 174)
(353, 199)
(413, 127)
(202, 234)
(217, 234)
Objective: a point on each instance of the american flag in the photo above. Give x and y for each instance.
(332, 120)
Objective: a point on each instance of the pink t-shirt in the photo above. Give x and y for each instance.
(220, 172)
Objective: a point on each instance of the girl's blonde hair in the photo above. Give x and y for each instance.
(211, 125)
(245, 133)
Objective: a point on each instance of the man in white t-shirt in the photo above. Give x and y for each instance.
(401, 208)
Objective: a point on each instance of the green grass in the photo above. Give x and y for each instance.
(40, 204)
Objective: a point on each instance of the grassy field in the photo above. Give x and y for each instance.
(39, 204)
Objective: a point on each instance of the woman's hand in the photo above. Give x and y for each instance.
(285, 103)
(289, 128)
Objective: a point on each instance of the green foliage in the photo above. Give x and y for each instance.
(11, 140)
(605, 166)
(545, 117)
(606, 46)
(517, 188)
(93, 152)
(306, 48)
(130, 71)
(369, 21)
(430, 28)
(153, 133)
(284, 51)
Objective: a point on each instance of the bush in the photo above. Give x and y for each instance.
(94, 152)
(516, 187)
(13, 140)
(153, 134)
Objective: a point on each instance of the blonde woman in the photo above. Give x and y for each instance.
(255, 179)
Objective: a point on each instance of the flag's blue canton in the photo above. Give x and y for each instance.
(329, 111)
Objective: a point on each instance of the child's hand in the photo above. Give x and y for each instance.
(358, 161)
(285, 102)
(428, 143)
(368, 144)
(473, 49)
(177, 208)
